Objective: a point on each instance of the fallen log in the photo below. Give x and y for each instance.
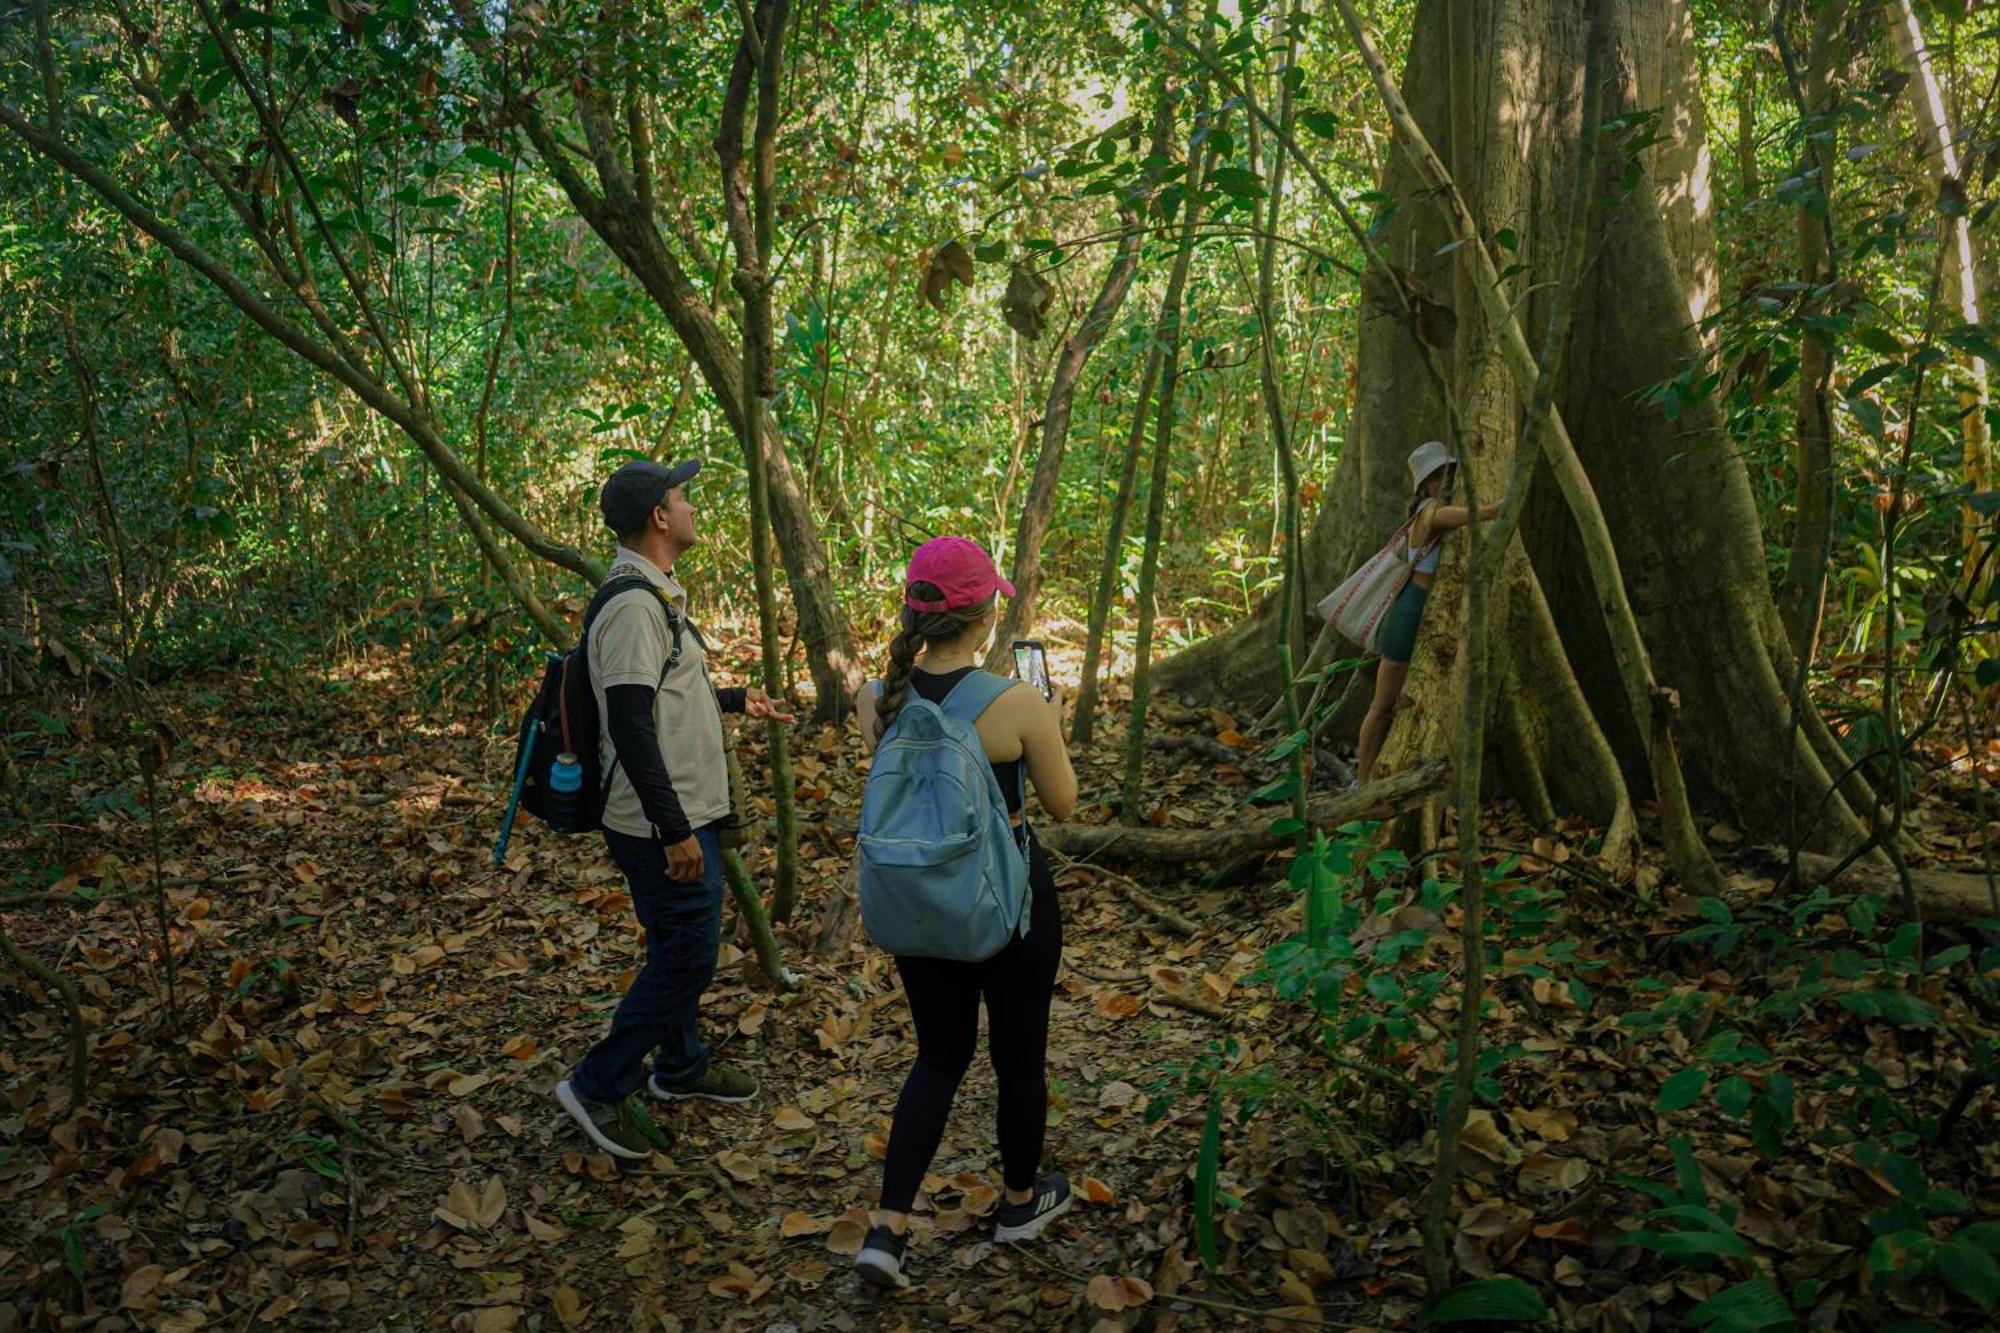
(1946, 896)
(1378, 800)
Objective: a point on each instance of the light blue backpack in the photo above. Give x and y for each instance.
(943, 874)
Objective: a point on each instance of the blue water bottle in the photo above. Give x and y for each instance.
(565, 781)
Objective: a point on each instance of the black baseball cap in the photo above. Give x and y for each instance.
(632, 492)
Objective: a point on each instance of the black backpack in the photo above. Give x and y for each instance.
(563, 719)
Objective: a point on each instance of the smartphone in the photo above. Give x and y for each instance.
(1032, 665)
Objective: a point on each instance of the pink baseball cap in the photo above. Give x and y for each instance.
(960, 568)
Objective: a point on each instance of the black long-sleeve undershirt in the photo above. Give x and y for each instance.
(636, 742)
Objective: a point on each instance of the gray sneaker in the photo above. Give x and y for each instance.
(619, 1128)
(717, 1085)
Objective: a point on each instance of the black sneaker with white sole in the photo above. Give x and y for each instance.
(880, 1262)
(1025, 1221)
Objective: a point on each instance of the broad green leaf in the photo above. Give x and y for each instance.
(1690, 1244)
(1681, 1089)
(1743, 1308)
(1495, 1299)
(1238, 182)
(1970, 1271)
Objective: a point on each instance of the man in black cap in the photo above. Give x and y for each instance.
(662, 723)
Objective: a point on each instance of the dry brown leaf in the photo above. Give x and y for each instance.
(792, 1118)
(470, 1123)
(1097, 1192)
(1484, 1137)
(1545, 1173)
(640, 1237)
(1549, 1126)
(740, 1165)
(1115, 1004)
(568, 1304)
(492, 1201)
(467, 1084)
(1113, 1294)
(497, 1319)
(547, 1232)
(846, 1235)
(802, 1224)
(141, 1283)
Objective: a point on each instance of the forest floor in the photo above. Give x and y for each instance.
(352, 1126)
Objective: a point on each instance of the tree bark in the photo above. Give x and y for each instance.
(1378, 800)
(1804, 593)
(1674, 496)
(747, 199)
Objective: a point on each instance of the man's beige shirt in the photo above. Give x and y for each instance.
(629, 644)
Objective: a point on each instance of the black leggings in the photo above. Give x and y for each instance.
(944, 1000)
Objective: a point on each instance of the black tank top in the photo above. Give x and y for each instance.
(1010, 774)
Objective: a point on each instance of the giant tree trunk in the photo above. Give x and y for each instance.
(1675, 494)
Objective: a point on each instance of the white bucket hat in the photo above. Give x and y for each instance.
(1427, 458)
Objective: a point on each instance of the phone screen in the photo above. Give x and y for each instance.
(1032, 665)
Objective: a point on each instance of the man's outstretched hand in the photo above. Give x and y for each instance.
(756, 703)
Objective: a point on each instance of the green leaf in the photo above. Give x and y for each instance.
(1681, 1089)
(1208, 1165)
(1238, 182)
(1498, 1299)
(1868, 412)
(1287, 826)
(1873, 376)
(1321, 123)
(1733, 1095)
(1747, 1306)
(483, 156)
(1507, 239)
(1891, 1006)
(1690, 1244)
(1878, 339)
(1970, 1271)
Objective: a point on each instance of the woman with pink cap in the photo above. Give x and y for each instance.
(950, 606)
(1431, 467)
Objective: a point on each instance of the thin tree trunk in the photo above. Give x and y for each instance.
(1804, 595)
(1961, 273)
(1039, 505)
(749, 203)
(1172, 309)
(1291, 644)
(1083, 724)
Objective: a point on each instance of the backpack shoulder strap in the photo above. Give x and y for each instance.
(615, 586)
(974, 694)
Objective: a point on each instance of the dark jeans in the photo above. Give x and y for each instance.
(1017, 984)
(683, 934)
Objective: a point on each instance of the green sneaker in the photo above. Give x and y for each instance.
(620, 1128)
(717, 1085)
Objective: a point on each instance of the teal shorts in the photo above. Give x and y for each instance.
(1399, 627)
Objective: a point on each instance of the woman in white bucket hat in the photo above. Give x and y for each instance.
(1430, 479)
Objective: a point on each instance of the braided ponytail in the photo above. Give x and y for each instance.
(896, 680)
(920, 629)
